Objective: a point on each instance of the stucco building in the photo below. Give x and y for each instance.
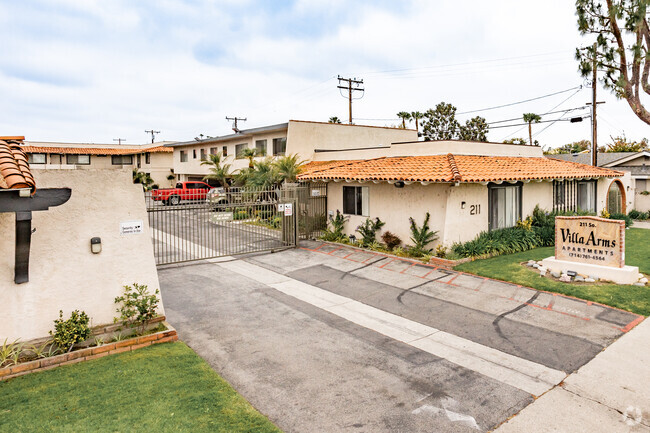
(294, 137)
(154, 159)
(467, 187)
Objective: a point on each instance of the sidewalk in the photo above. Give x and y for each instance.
(609, 394)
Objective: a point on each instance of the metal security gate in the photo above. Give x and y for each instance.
(221, 223)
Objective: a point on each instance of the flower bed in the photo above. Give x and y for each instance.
(86, 350)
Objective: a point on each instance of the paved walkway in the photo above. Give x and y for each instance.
(325, 338)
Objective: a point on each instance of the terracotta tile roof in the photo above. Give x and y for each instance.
(313, 166)
(96, 150)
(14, 168)
(454, 168)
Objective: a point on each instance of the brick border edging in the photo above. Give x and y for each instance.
(89, 353)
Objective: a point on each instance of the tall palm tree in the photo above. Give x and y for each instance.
(416, 116)
(404, 116)
(218, 171)
(264, 175)
(249, 153)
(334, 119)
(530, 118)
(288, 167)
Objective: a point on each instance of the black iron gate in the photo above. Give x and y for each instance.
(221, 223)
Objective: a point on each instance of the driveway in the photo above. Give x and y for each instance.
(326, 339)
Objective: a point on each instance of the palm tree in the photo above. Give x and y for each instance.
(142, 178)
(288, 167)
(334, 119)
(530, 118)
(218, 171)
(249, 153)
(264, 175)
(404, 116)
(416, 116)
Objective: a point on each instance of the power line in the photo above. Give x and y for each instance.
(351, 82)
(541, 114)
(541, 121)
(153, 133)
(235, 119)
(521, 102)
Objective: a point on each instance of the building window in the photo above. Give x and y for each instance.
(224, 152)
(194, 153)
(183, 156)
(574, 195)
(355, 200)
(239, 149)
(504, 203)
(614, 199)
(214, 150)
(260, 146)
(279, 146)
(204, 156)
(37, 158)
(77, 159)
(122, 159)
(147, 158)
(641, 185)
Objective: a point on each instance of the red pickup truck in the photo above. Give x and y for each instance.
(184, 191)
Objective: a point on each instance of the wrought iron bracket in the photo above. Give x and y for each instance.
(43, 199)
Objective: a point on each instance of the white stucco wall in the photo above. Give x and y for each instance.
(63, 273)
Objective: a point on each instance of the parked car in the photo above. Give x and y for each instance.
(184, 191)
(220, 198)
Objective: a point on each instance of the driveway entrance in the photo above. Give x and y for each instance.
(328, 338)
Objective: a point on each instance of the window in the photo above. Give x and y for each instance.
(139, 159)
(194, 153)
(214, 150)
(279, 146)
(203, 155)
(355, 200)
(239, 148)
(224, 152)
(122, 159)
(147, 158)
(260, 146)
(77, 159)
(574, 195)
(183, 156)
(614, 198)
(504, 202)
(36, 158)
(641, 185)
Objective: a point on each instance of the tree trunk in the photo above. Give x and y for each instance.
(530, 133)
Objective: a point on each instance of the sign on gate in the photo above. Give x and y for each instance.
(288, 209)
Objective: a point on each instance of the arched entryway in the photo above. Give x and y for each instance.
(616, 198)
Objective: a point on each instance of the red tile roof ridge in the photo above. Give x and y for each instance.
(14, 168)
(454, 168)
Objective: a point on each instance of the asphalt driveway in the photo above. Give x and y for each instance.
(331, 339)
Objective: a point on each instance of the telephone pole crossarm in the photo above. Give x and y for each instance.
(350, 89)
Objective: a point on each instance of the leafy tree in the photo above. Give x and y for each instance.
(474, 129)
(622, 144)
(622, 38)
(416, 116)
(249, 153)
(516, 140)
(440, 123)
(531, 118)
(288, 167)
(404, 115)
(218, 171)
(575, 147)
(334, 119)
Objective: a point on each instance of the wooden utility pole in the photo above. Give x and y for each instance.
(119, 140)
(350, 89)
(235, 119)
(152, 132)
(594, 129)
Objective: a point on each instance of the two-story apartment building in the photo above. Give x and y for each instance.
(294, 137)
(154, 159)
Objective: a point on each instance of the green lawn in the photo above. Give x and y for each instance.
(165, 387)
(630, 298)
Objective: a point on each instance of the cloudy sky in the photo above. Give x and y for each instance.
(92, 71)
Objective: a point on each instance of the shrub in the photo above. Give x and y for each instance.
(637, 215)
(138, 306)
(441, 251)
(622, 216)
(502, 241)
(422, 236)
(391, 240)
(10, 352)
(338, 225)
(368, 230)
(240, 214)
(69, 332)
(644, 192)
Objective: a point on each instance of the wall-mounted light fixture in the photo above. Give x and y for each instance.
(462, 205)
(399, 184)
(96, 245)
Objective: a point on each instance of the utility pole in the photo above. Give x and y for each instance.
(152, 132)
(119, 140)
(235, 119)
(351, 81)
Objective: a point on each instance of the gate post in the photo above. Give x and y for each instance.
(289, 223)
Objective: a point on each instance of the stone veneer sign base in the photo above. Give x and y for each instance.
(593, 247)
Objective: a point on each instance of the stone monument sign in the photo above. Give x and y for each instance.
(588, 239)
